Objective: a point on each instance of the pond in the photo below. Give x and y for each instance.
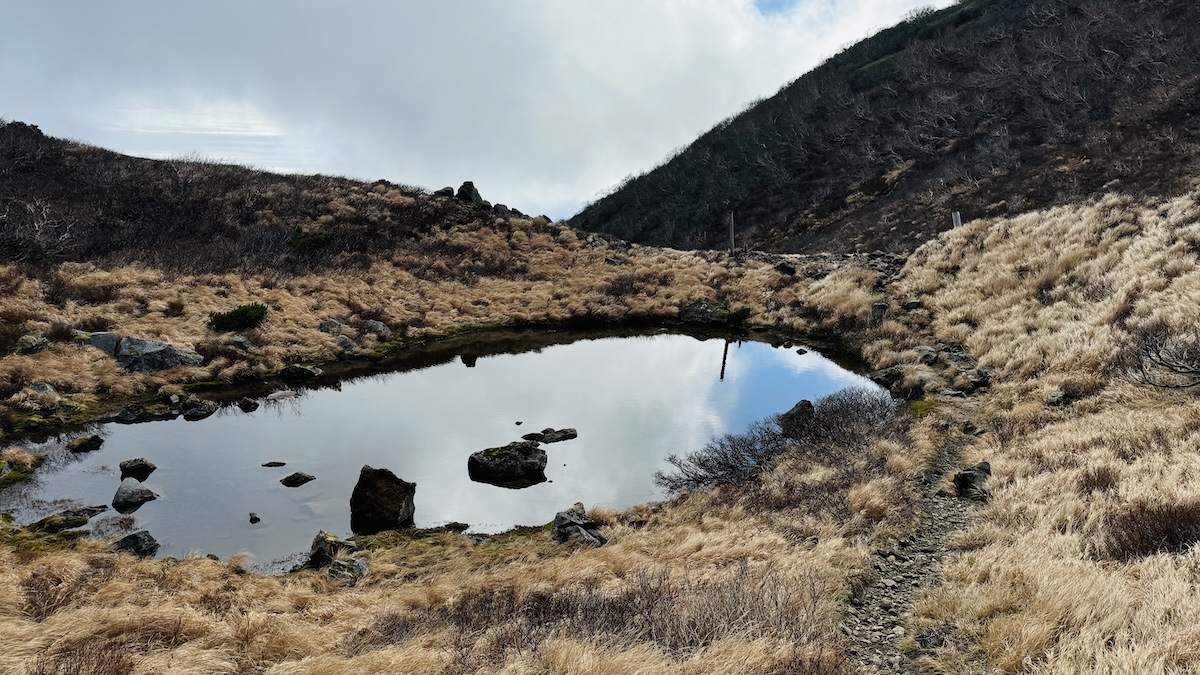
(632, 400)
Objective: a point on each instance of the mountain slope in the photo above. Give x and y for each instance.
(988, 107)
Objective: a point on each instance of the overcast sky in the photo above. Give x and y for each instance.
(545, 104)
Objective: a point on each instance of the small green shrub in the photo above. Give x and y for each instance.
(241, 317)
(305, 242)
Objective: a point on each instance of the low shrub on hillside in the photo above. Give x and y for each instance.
(1144, 528)
(242, 317)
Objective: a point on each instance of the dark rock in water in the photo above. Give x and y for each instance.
(141, 355)
(575, 524)
(516, 465)
(796, 422)
(103, 340)
(130, 414)
(325, 547)
(196, 409)
(254, 519)
(247, 405)
(297, 479)
(801, 351)
(469, 194)
(272, 465)
(444, 192)
(518, 422)
(31, 343)
(297, 372)
(138, 469)
(131, 495)
(972, 483)
(381, 501)
(705, 311)
(67, 519)
(85, 443)
(549, 435)
(468, 360)
(349, 572)
(139, 543)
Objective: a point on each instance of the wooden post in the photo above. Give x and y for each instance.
(731, 247)
(957, 219)
(723, 358)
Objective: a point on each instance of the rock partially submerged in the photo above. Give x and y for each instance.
(297, 479)
(971, 483)
(66, 520)
(139, 543)
(85, 443)
(574, 524)
(196, 409)
(295, 372)
(381, 501)
(131, 495)
(139, 469)
(325, 549)
(516, 465)
(549, 435)
(247, 405)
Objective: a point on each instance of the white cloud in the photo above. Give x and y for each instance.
(543, 103)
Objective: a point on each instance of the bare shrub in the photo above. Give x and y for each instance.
(1144, 528)
(848, 419)
(1163, 356)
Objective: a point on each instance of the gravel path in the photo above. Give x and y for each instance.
(875, 620)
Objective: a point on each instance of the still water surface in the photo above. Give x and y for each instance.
(633, 400)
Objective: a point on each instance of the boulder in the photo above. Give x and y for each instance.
(272, 465)
(549, 435)
(330, 325)
(296, 372)
(502, 211)
(131, 495)
(887, 377)
(444, 192)
(377, 328)
(516, 465)
(139, 543)
(138, 469)
(141, 355)
(195, 409)
(31, 343)
(43, 389)
(703, 310)
(469, 194)
(798, 420)
(67, 520)
(247, 405)
(297, 479)
(325, 548)
(575, 524)
(85, 443)
(381, 501)
(103, 340)
(971, 483)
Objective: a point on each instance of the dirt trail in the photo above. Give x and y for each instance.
(875, 621)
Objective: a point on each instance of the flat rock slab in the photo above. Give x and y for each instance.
(297, 479)
(549, 435)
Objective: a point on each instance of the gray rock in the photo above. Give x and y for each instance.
(575, 524)
(103, 340)
(242, 343)
(878, 311)
(297, 372)
(887, 377)
(139, 469)
(141, 355)
(377, 328)
(139, 543)
(43, 389)
(444, 192)
(297, 479)
(325, 548)
(502, 211)
(348, 572)
(344, 343)
(254, 519)
(247, 405)
(31, 343)
(330, 325)
(469, 194)
(67, 520)
(549, 435)
(131, 495)
(1057, 399)
(798, 420)
(272, 465)
(516, 465)
(283, 395)
(381, 501)
(195, 409)
(971, 483)
(926, 354)
(979, 378)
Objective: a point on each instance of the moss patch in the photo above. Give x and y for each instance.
(12, 472)
(921, 408)
(28, 545)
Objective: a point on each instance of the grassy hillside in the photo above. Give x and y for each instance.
(988, 107)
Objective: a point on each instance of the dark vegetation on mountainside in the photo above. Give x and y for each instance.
(63, 201)
(988, 107)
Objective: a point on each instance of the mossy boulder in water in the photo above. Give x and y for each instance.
(131, 495)
(381, 501)
(516, 465)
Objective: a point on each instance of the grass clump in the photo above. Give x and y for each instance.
(242, 317)
(16, 465)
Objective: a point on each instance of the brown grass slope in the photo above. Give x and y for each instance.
(988, 107)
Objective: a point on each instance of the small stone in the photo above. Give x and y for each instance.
(898, 631)
(272, 465)
(254, 519)
(247, 405)
(139, 469)
(889, 583)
